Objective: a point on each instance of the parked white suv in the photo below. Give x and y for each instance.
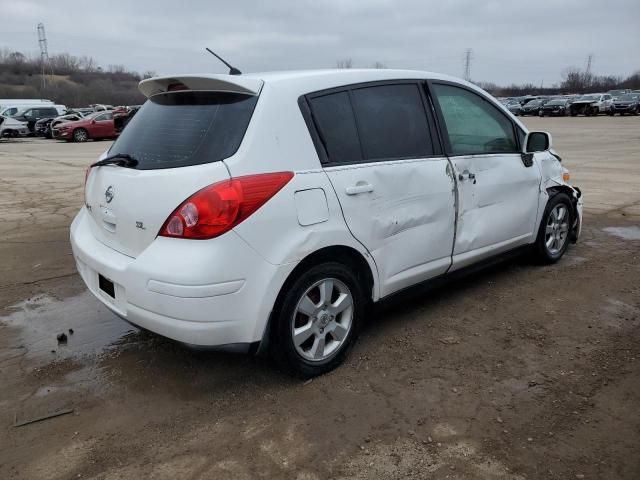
(272, 209)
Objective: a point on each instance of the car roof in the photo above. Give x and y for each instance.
(297, 82)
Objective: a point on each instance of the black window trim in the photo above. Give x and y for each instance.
(320, 145)
(443, 126)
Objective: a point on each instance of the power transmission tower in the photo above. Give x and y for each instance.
(588, 77)
(44, 53)
(589, 62)
(467, 64)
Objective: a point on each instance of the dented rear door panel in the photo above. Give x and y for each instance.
(403, 212)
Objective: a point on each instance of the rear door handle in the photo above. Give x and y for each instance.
(467, 175)
(359, 188)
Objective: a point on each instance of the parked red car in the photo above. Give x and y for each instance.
(97, 125)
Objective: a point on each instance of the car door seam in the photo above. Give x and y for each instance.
(344, 218)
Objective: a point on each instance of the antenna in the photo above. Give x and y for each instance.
(467, 65)
(232, 70)
(44, 53)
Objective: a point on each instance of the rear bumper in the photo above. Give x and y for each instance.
(211, 292)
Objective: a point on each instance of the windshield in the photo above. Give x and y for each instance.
(629, 97)
(590, 97)
(534, 103)
(556, 102)
(186, 128)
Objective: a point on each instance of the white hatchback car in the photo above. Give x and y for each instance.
(272, 209)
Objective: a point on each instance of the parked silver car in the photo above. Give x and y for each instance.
(10, 127)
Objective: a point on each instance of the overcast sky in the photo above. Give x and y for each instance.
(512, 40)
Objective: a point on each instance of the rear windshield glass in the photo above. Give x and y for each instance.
(186, 128)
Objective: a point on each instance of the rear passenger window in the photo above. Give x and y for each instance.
(381, 122)
(337, 126)
(392, 122)
(473, 124)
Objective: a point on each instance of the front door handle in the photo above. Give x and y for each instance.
(360, 187)
(467, 175)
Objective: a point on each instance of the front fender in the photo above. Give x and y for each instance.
(553, 182)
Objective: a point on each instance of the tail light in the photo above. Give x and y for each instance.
(218, 208)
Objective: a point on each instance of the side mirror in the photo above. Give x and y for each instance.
(537, 142)
(93, 121)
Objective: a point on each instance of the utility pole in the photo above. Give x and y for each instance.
(467, 64)
(44, 53)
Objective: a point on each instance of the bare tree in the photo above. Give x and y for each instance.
(116, 69)
(88, 64)
(574, 80)
(346, 63)
(379, 65)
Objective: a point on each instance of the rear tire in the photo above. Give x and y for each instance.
(555, 230)
(80, 135)
(316, 319)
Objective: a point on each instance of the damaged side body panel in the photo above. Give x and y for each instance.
(497, 208)
(584, 108)
(553, 182)
(404, 214)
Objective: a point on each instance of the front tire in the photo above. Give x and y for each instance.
(555, 229)
(80, 135)
(316, 321)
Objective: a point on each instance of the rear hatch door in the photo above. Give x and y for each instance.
(179, 139)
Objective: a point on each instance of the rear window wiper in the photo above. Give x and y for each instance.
(121, 159)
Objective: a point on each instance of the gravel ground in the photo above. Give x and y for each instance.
(515, 372)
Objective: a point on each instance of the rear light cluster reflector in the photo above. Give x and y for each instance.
(219, 207)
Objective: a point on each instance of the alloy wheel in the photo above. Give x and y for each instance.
(557, 229)
(80, 135)
(322, 319)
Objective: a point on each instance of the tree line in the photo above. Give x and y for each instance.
(68, 80)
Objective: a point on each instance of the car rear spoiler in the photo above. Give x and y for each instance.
(209, 82)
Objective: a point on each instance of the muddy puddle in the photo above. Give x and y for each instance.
(626, 233)
(89, 327)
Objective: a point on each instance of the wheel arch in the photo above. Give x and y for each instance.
(573, 195)
(342, 253)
